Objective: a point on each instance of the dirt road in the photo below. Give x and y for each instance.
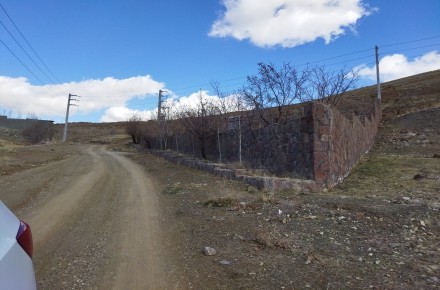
(95, 221)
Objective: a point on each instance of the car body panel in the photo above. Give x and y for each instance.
(16, 269)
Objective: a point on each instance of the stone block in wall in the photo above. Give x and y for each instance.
(320, 156)
(319, 110)
(324, 130)
(226, 173)
(324, 138)
(309, 186)
(321, 176)
(306, 137)
(254, 181)
(324, 166)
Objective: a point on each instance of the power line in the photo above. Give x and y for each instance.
(412, 48)
(30, 57)
(300, 65)
(184, 89)
(410, 41)
(31, 47)
(334, 57)
(22, 62)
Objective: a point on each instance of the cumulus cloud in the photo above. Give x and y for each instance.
(398, 66)
(17, 94)
(175, 105)
(287, 23)
(115, 114)
(228, 102)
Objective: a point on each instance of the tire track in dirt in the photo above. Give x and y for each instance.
(96, 225)
(139, 262)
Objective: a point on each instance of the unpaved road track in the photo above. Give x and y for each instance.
(95, 221)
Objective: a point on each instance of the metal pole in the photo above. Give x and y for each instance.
(379, 97)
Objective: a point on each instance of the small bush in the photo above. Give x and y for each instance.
(38, 132)
(221, 202)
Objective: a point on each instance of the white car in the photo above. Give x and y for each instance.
(16, 268)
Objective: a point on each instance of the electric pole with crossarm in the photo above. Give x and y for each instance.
(67, 114)
(161, 119)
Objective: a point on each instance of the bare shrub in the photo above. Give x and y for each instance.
(38, 131)
(133, 128)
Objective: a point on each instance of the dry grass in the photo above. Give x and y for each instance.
(8, 146)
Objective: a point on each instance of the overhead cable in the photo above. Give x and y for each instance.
(22, 63)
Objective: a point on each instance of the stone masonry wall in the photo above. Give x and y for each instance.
(318, 149)
(339, 142)
(283, 150)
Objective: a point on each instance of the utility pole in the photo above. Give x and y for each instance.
(159, 105)
(161, 119)
(379, 97)
(67, 114)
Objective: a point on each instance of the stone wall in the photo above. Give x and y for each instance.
(339, 141)
(313, 151)
(11, 123)
(282, 150)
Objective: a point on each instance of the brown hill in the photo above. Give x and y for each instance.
(399, 97)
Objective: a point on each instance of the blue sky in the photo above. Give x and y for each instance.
(117, 54)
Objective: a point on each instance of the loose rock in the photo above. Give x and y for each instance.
(209, 251)
(225, 262)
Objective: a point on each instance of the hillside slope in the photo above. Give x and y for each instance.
(399, 97)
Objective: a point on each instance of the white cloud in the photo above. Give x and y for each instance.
(115, 114)
(18, 95)
(174, 104)
(398, 66)
(287, 23)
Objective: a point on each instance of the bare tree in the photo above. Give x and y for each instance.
(269, 92)
(197, 120)
(329, 86)
(32, 116)
(134, 129)
(230, 107)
